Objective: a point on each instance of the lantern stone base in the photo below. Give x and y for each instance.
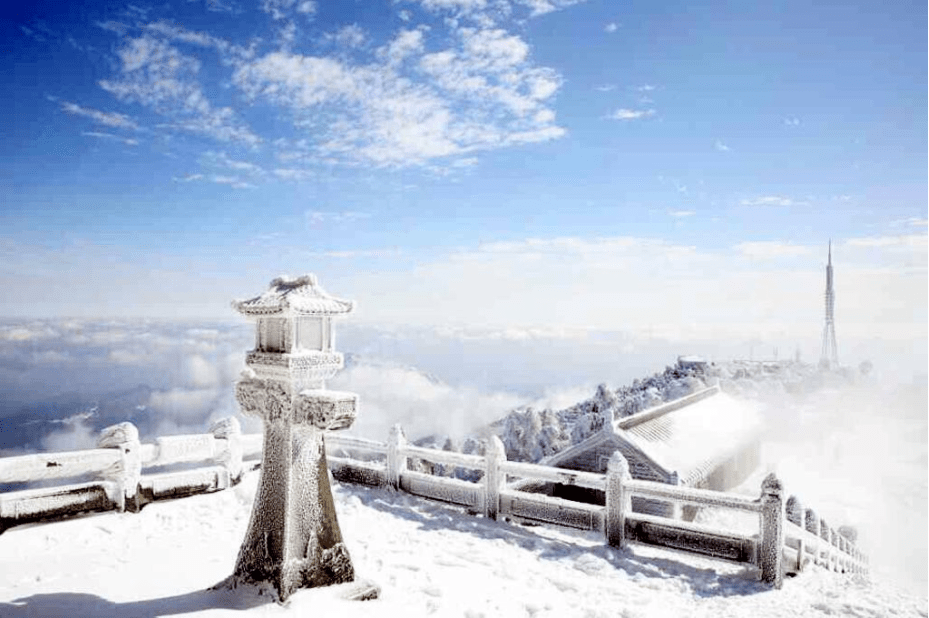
(293, 539)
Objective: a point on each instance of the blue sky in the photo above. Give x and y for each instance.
(665, 167)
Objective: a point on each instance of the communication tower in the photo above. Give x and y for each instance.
(829, 358)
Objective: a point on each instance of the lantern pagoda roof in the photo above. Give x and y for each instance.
(293, 296)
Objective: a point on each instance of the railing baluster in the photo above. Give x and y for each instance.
(617, 500)
(396, 456)
(772, 531)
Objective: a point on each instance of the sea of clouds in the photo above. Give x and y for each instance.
(62, 380)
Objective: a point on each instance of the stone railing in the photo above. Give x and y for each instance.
(123, 474)
(779, 546)
(126, 477)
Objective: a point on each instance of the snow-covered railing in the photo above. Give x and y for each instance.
(788, 538)
(123, 474)
(810, 539)
(774, 548)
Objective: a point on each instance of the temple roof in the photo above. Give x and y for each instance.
(694, 439)
(690, 436)
(293, 296)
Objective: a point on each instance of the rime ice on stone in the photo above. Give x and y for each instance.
(293, 539)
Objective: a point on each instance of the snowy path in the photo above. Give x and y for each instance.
(429, 559)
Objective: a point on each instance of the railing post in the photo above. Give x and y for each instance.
(396, 456)
(617, 500)
(840, 565)
(827, 548)
(793, 511)
(811, 524)
(230, 430)
(494, 477)
(843, 543)
(838, 550)
(772, 531)
(676, 510)
(128, 471)
(794, 514)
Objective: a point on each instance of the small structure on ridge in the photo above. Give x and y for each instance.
(293, 539)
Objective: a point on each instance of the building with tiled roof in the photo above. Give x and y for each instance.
(707, 440)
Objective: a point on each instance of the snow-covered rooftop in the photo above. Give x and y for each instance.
(691, 436)
(693, 440)
(293, 296)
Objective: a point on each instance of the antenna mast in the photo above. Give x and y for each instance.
(829, 357)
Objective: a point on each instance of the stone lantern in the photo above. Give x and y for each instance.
(293, 539)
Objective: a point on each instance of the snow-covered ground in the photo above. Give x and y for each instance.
(428, 559)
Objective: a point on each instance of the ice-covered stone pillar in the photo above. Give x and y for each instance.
(293, 539)
(772, 531)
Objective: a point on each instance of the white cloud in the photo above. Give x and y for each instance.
(910, 222)
(645, 88)
(221, 159)
(610, 27)
(221, 6)
(405, 44)
(183, 405)
(26, 333)
(720, 146)
(461, 6)
(110, 119)
(293, 174)
(393, 394)
(792, 122)
(77, 435)
(113, 26)
(281, 9)
(317, 217)
(485, 13)
(178, 33)
(202, 373)
(902, 241)
(605, 88)
(649, 285)
(29, 32)
(770, 200)
(188, 178)
(127, 357)
(349, 36)
(681, 214)
(359, 253)
(631, 114)
(307, 7)
(110, 136)
(404, 101)
(233, 181)
(481, 94)
(541, 7)
(158, 76)
(766, 250)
